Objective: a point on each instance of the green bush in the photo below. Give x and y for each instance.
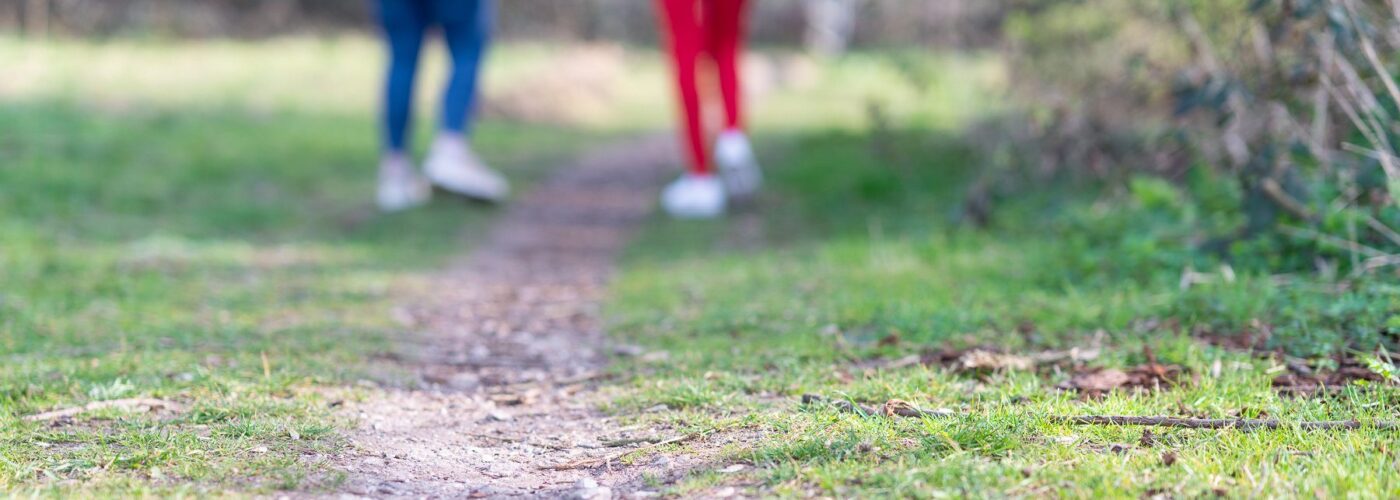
(1273, 120)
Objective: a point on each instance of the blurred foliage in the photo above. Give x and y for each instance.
(781, 22)
(1273, 120)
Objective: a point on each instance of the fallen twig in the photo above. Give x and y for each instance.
(891, 408)
(839, 404)
(1223, 423)
(123, 404)
(1281, 198)
(618, 443)
(1332, 241)
(595, 462)
(1312, 390)
(520, 440)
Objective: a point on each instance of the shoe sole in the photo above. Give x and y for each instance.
(471, 195)
(402, 201)
(736, 176)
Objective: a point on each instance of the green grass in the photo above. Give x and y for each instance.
(202, 242)
(210, 241)
(864, 240)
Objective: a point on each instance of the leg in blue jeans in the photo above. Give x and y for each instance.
(466, 27)
(404, 23)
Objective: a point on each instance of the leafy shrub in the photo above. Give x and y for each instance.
(1289, 102)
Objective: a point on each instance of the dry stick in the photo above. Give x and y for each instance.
(1349, 110)
(1312, 390)
(595, 462)
(840, 404)
(1375, 263)
(1375, 60)
(893, 408)
(1381, 228)
(1370, 127)
(618, 443)
(1222, 423)
(1283, 199)
(519, 440)
(124, 404)
(1333, 241)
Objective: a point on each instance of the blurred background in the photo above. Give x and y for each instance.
(186, 193)
(1167, 136)
(620, 21)
(1273, 111)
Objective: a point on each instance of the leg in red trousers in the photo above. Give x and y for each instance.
(724, 34)
(713, 29)
(686, 43)
(733, 155)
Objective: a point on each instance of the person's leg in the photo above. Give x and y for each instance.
(698, 194)
(466, 26)
(400, 186)
(724, 35)
(452, 164)
(403, 24)
(683, 27)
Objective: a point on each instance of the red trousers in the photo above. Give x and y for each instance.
(714, 29)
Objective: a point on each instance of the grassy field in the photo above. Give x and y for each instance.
(210, 241)
(207, 241)
(860, 257)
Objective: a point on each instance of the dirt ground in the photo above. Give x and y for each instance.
(509, 351)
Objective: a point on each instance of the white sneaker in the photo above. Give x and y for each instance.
(737, 164)
(694, 197)
(400, 186)
(452, 165)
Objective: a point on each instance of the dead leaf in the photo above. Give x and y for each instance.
(979, 359)
(895, 407)
(1303, 379)
(1074, 356)
(890, 340)
(1148, 439)
(1097, 381)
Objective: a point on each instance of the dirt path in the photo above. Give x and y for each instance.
(510, 348)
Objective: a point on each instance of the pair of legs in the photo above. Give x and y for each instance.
(709, 33)
(465, 26)
(712, 31)
(452, 165)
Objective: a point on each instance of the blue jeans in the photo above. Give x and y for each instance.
(465, 26)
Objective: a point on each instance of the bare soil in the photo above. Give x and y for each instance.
(509, 352)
